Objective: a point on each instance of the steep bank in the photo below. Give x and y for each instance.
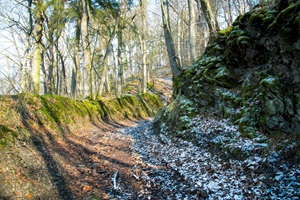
(45, 139)
(249, 74)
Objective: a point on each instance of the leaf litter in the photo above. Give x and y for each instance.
(208, 168)
(138, 163)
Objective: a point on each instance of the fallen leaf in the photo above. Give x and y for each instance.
(86, 188)
(29, 196)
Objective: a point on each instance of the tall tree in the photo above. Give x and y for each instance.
(192, 29)
(37, 35)
(75, 56)
(108, 51)
(87, 79)
(173, 58)
(143, 45)
(55, 22)
(25, 62)
(209, 16)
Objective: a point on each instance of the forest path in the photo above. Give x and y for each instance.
(152, 166)
(86, 164)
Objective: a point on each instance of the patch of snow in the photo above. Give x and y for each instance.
(178, 169)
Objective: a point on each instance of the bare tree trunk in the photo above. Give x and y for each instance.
(105, 59)
(119, 78)
(192, 33)
(230, 10)
(240, 7)
(226, 12)
(50, 80)
(143, 46)
(210, 16)
(179, 37)
(25, 63)
(75, 69)
(173, 59)
(88, 81)
(64, 86)
(37, 34)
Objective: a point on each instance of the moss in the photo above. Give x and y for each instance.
(54, 113)
(286, 14)
(226, 31)
(297, 20)
(7, 135)
(256, 18)
(242, 40)
(268, 19)
(271, 84)
(235, 34)
(248, 131)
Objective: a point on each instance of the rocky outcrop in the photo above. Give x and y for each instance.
(249, 73)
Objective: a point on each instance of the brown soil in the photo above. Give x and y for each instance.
(83, 163)
(79, 165)
(73, 162)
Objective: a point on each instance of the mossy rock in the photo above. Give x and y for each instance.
(256, 61)
(226, 31)
(243, 40)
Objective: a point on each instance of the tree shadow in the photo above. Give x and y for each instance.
(42, 147)
(68, 149)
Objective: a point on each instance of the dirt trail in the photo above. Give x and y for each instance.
(83, 165)
(128, 160)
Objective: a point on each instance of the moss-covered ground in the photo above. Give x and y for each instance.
(50, 144)
(21, 114)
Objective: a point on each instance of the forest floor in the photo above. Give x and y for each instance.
(129, 161)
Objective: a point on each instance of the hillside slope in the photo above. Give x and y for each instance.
(249, 74)
(47, 142)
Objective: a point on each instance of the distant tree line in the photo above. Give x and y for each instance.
(91, 48)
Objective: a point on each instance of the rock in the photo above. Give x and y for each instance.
(252, 77)
(202, 194)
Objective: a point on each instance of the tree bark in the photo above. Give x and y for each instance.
(26, 59)
(179, 37)
(119, 77)
(143, 46)
(37, 34)
(192, 33)
(173, 58)
(75, 68)
(87, 72)
(210, 16)
(105, 59)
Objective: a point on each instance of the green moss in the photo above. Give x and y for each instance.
(50, 112)
(7, 135)
(235, 34)
(256, 18)
(297, 20)
(268, 19)
(242, 40)
(271, 84)
(287, 13)
(248, 131)
(226, 31)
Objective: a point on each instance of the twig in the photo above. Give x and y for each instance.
(114, 180)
